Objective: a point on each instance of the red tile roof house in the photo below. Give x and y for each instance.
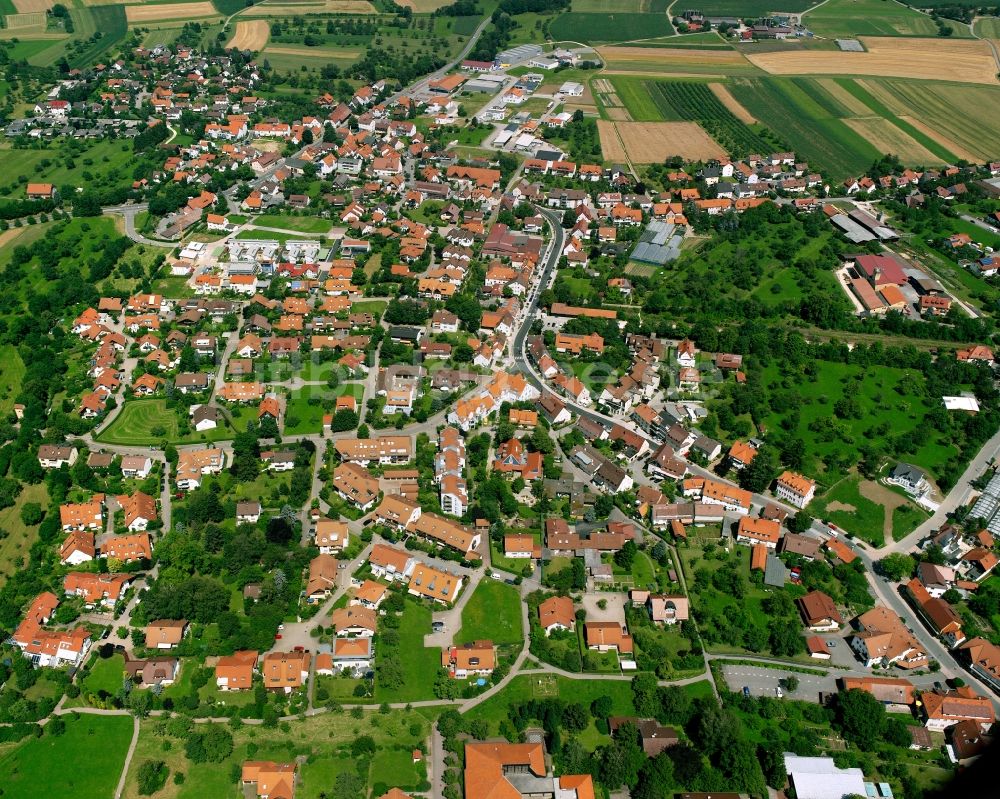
(819, 613)
(556, 613)
(944, 710)
(47, 647)
(938, 614)
(235, 672)
(269, 780)
(607, 635)
(166, 633)
(474, 658)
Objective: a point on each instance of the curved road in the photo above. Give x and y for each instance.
(128, 212)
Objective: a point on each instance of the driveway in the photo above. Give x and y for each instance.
(614, 611)
(452, 619)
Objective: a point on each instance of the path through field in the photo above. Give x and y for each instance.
(885, 497)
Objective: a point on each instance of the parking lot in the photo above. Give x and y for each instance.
(764, 681)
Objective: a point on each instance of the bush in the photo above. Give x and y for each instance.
(213, 744)
(152, 776)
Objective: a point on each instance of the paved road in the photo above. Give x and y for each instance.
(957, 497)
(129, 212)
(888, 595)
(978, 221)
(421, 85)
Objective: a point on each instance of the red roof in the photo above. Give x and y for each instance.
(890, 268)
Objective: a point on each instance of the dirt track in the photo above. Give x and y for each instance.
(731, 103)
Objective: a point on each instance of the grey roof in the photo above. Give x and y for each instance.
(775, 572)
(908, 472)
(851, 229)
(658, 244)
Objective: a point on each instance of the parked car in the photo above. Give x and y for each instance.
(746, 690)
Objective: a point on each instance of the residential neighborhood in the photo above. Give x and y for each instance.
(392, 441)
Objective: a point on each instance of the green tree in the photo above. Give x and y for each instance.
(656, 778)
(897, 566)
(861, 718)
(761, 471)
(625, 556)
(31, 513)
(152, 776)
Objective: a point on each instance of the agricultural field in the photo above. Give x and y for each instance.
(426, 6)
(698, 103)
(619, 6)
(652, 142)
(850, 18)
(106, 160)
(732, 104)
(971, 133)
(707, 39)
(690, 101)
(675, 61)
(32, 6)
(291, 59)
(929, 59)
(85, 48)
(136, 15)
(887, 138)
(609, 27)
(745, 8)
(810, 128)
(250, 35)
(988, 27)
(287, 9)
(83, 769)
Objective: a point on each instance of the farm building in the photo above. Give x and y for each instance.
(658, 244)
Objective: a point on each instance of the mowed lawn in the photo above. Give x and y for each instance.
(493, 613)
(86, 760)
(149, 421)
(307, 406)
(847, 18)
(540, 686)
(306, 224)
(853, 512)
